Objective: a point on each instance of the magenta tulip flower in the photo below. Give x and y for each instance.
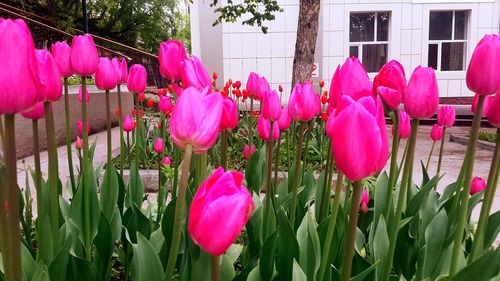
(493, 112)
(262, 88)
(78, 143)
(477, 185)
(436, 132)
(50, 78)
(391, 75)
(159, 146)
(351, 79)
(172, 53)
(253, 83)
(404, 125)
(80, 95)
(61, 52)
(422, 96)
(106, 76)
(34, 113)
(122, 69)
(220, 209)
(482, 73)
(84, 56)
(247, 151)
(128, 124)
(194, 74)
(391, 97)
(446, 116)
(271, 106)
(166, 161)
(229, 119)
(137, 78)
(165, 104)
(365, 200)
(285, 120)
(195, 119)
(79, 127)
(263, 128)
(486, 105)
(19, 77)
(359, 138)
(304, 103)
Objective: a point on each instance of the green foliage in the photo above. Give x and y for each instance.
(488, 136)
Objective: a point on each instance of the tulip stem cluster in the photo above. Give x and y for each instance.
(269, 189)
(296, 174)
(394, 173)
(68, 136)
(443, 140)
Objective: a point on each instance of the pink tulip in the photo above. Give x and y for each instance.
(359, 138)
(79, 126)
(391, 97)
(482, 73)
(486, 105)
(194, 74)
(159, 146)
(271, 106)
(365, 200)
(221, 195)
(106, 76)
(304, 103)
(84, 57)
(128, 124)
(477, 185)
(35, 113)
(122, 69)
(61, 52)
(229, 119)
(422, 96)
(391, 75)
(80, 95)
(78, 143)
(493, 112)
(137, 78)
(404, 125)
(262, 88)
(436, 132)
(165, 104)
(166, 161)
(50, 78)
(195, 119)
(285, 120)
(351, 79)
(247, 151)
(263, 128)
(19, 77)
(172, 53)
(253, 83)
(446, 116)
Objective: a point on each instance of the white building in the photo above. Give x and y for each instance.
(437, 33)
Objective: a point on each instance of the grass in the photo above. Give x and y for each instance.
(488, 136)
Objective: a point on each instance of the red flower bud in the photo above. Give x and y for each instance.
(322, 83)
(214, 75)
(150, 103)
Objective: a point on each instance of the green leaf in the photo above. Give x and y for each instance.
(146, 264)
(81, 270)
(41, 273)
(362, 276)
(380, 245)
(136, 190)
(318, 198)
(267, 257)
(416, 201)
(226, 268)
(28, 264)
(492, 229)
(109, 192)
(309, 246)
(288, 247)
(435, 235)
(104, 248)
(482, 269)
(381, 191)
(254, 173)
(254, 275)
(298, 274)
(135, 221)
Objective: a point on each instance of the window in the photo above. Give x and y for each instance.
(447, 40)
(369, 38)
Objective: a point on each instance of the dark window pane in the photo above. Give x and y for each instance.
(460, 25)
(362, 27)
(452, 56)
(433, 56)
(374, 56)
(353, 51)
(382, 26)
(440, 25)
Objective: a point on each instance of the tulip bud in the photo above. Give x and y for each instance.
(285, 120)
(214, 75)
(165, 104)
(79, 126)
(351, 79)
(493, 111)
(141, 97)
(196, 119)
(159, 146)
(280, 88)
(421, 99)
(78, 143)
(247, 151)
(194, 74)
(36, 112)
(324, 99)
(446, 116)
(252, 82)
(391, 97)
(166, 161)
(172, 53)
(229, 119)
(117, 112)
(321, 83)
(150, 103)
(365, 200)
(262, 88)
(391, 75)
(61, 52)
(263, 128)
(324, 116)
(19, 76)
(84, 57)
(80, 95)
(436, 132)
(477, 185)
(304, 103)
(106, 76)
(137, 78)
(482, 73)
(121, 69)
(50, 78)
(222, 193)
(128, 124)
(486, 104)
(271, 106)
(404, 125)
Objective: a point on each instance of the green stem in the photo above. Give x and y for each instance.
(345, 272)
(161, 192)
(85, 134)
(269, 189)
(108, 127)
(277, 163)
(464, 196)
(11, 244)
(393, 176)
(441, 149)
(137, 130)
(2, 134)
(128, 149)
(215, 272)
(288, 149)
(306, 149)
(68, 136)
(178, 216)
(177, 156)
(331, 227)
(296, 175)
(323, 211)
(489, 195)
(393, 229)
(223, 150)
(120, 123)
(250, 124)
(430, 155)
(38, 170)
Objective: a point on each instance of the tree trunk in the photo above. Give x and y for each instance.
(305, 46)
